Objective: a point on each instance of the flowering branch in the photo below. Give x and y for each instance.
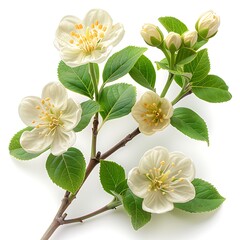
(163, 180)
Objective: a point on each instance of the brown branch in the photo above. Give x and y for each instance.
(110, 206)
(122, 143)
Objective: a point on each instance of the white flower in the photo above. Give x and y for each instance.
(173, 41)
(208, 24)
(152, 35)
(87, 40)
(152, 113)
(53, 117)
(190, 38)
(161, 179)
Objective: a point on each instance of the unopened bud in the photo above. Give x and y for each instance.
(173, 41)
(152, 35)
(207, 25)
(190, 38)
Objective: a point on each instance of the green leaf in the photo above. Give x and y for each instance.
(185, 55)
(173, 24)
(144, 73)
(117, 100)
(120, 63)
(16, 149)
(77, 79)
(133, 206)
(111, 175)
(200, 43)
(89, 108)
(163, 64)
(211, 89)
(199, 67)
(207, 198)
(190, 123)
(67, 170)
(122, 187)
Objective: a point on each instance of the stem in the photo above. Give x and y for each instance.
(94, 135)
(167, 85)
(94, 79)
(180, 96)
(170, 76)
(110, 206)
(95, 121)
(165, 52)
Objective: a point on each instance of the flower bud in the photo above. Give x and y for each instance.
(173, 41)
(190, 38)
(207, 25)
(152, 35)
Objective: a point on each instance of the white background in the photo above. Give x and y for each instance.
(29, 199)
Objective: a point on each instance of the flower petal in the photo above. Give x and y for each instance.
(36, 141)
(71, 115)
(184, 191)
(57, 94)
(62, 141)
(150, 97)
(114, 36)
(74, 57)
(162, 125)
(97, 15)
(98, 56)
(155, 202)
(66, 26)
(146, 129)
(138, 183)
(183, 164)
(28, 112)
(153, 159)
(167, 108)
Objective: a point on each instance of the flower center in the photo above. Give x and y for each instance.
(49, 118)
(88, 38)
(153, 115)
(160, 180)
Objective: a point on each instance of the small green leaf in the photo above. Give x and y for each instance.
(144, 73)
(199, 67)
(173, 24)
(67, 170)
(190, 123)
(120, 63)
(133, 205)
(163, 64)
(211, 89)
(207, 198)
(185, 55)
(77, 79)
(111, 175)
(16, 149)
(180, 73)
(89, 108)
(117, 100)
